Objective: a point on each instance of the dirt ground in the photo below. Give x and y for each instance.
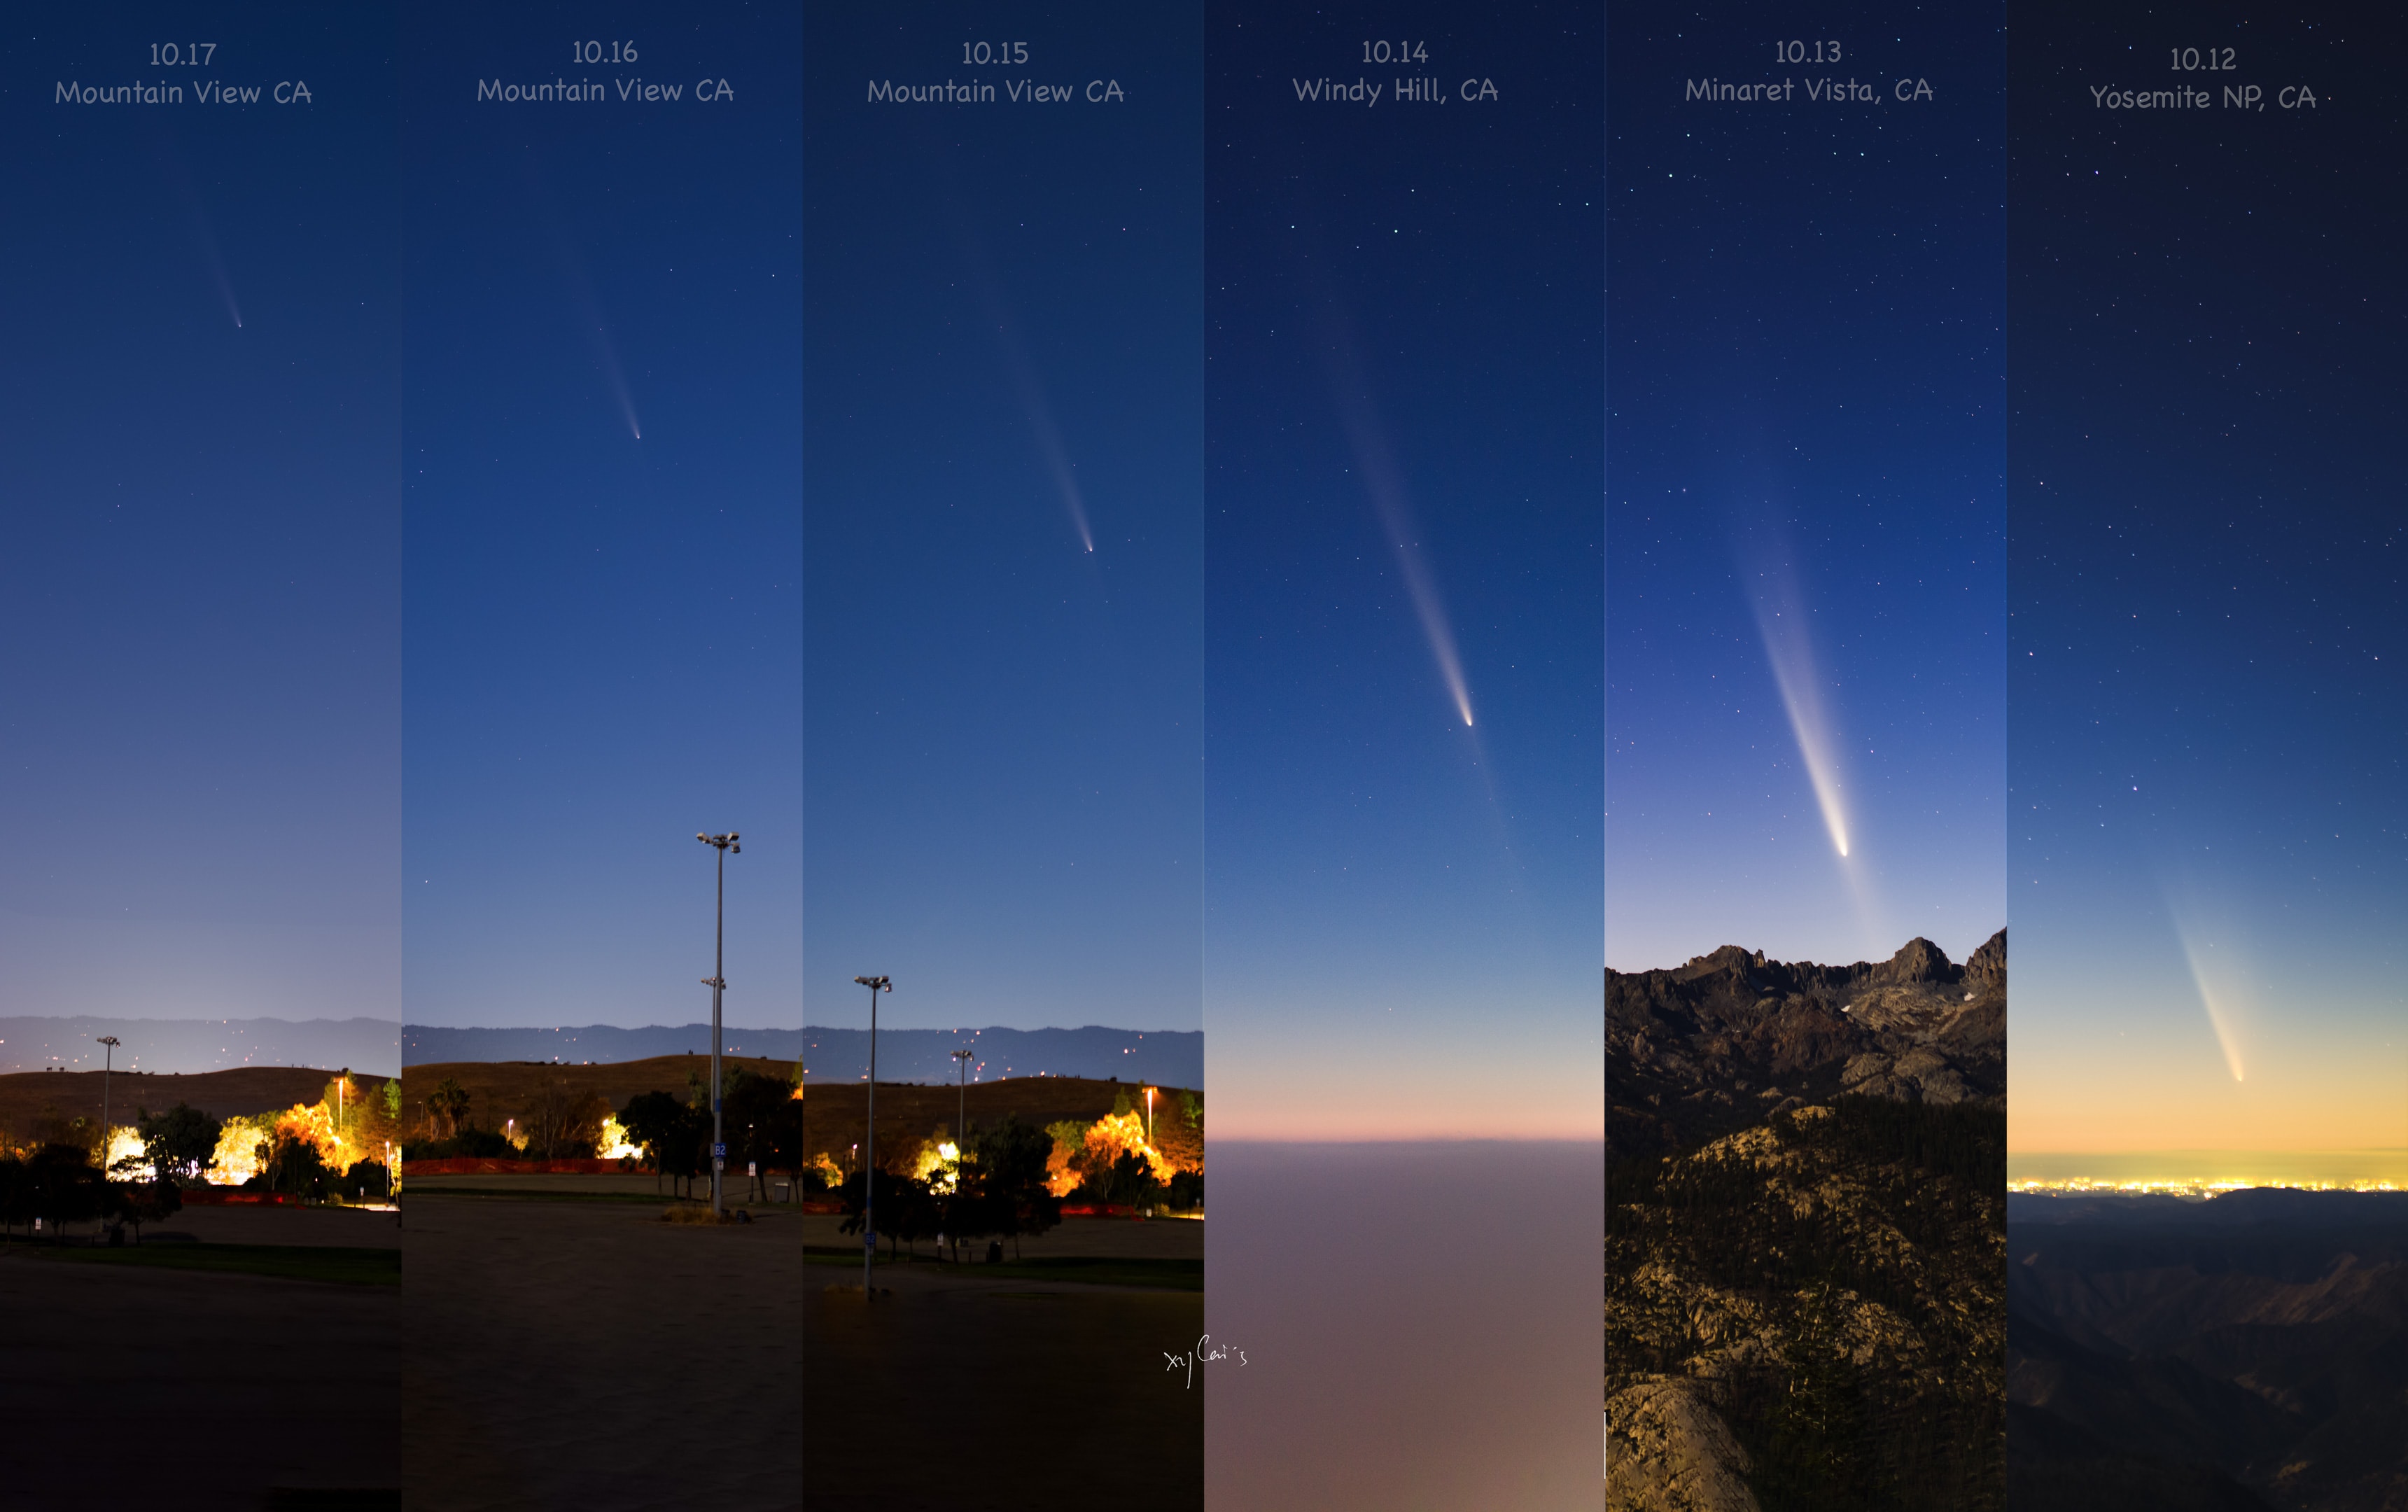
(212, 1388)
(1008, 1396)
(566, 1354)
(581, 1355)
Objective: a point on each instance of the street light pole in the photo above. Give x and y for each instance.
(869, 1167)
(717, 982)
(105, 1057)
(961, 1112)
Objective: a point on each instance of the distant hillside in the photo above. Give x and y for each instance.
(222, 1094)
(1166, 1057)
(189, 1045)
(2245, 1353)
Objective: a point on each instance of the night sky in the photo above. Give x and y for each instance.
(1403, 417)
(1806, 377)
(1002, 516)
(1152, 548)
(605, 632)
(200, 526)
(2209, 677)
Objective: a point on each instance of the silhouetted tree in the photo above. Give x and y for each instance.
(148, 1202)
(671, 1133)
(64, 1185)
(450, 1103)
(763, 1126)
(1010, 1158)
(906, 1211)
(179, 1142)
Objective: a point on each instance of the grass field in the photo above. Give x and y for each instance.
(544, 1195)
(1000, 1398)
(289, 1262)
(1089, 1270)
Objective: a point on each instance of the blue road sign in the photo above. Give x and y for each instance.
(718, 1152)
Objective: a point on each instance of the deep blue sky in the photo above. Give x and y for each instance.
(200, 528)
(1403, 417)
(1002, 363)
(2209, 670)
(1805, 302)
(604, 632)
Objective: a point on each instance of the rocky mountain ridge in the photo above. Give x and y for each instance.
(1805, 1232)
(1722, 1041)
(1810, 1313)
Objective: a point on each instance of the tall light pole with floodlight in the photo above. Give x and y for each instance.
(105, 1057)
(869, 1166)
(717, 983)
(961, 1112)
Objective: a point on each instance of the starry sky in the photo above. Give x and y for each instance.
(1166, 589)
(200, 531)
(1002, 522)
(602, 461)
(2210, 675)
(1403, 440)
(1806, 578)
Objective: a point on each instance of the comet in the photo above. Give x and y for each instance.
(1376, 465)
(606, 355)
(190, 193)
(1040, 424)
(2217, 974)
(589, 308)
(1789, 649)
(1026, 385)
(217, 268)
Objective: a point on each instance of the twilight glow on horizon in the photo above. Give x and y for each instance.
(2210, 663)
(1402, 815)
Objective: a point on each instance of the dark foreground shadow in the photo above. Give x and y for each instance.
(1002, 1396)
(237, 1391)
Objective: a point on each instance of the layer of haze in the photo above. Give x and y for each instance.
(1402, 412)
(1002, 525)
(200, 546)
(1394, 1358)
(2210, 655)
(1806, 568)
(604, 630)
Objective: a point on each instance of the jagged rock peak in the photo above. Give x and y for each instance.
(1918, 960)
(1987, 966)
(1726, 958)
